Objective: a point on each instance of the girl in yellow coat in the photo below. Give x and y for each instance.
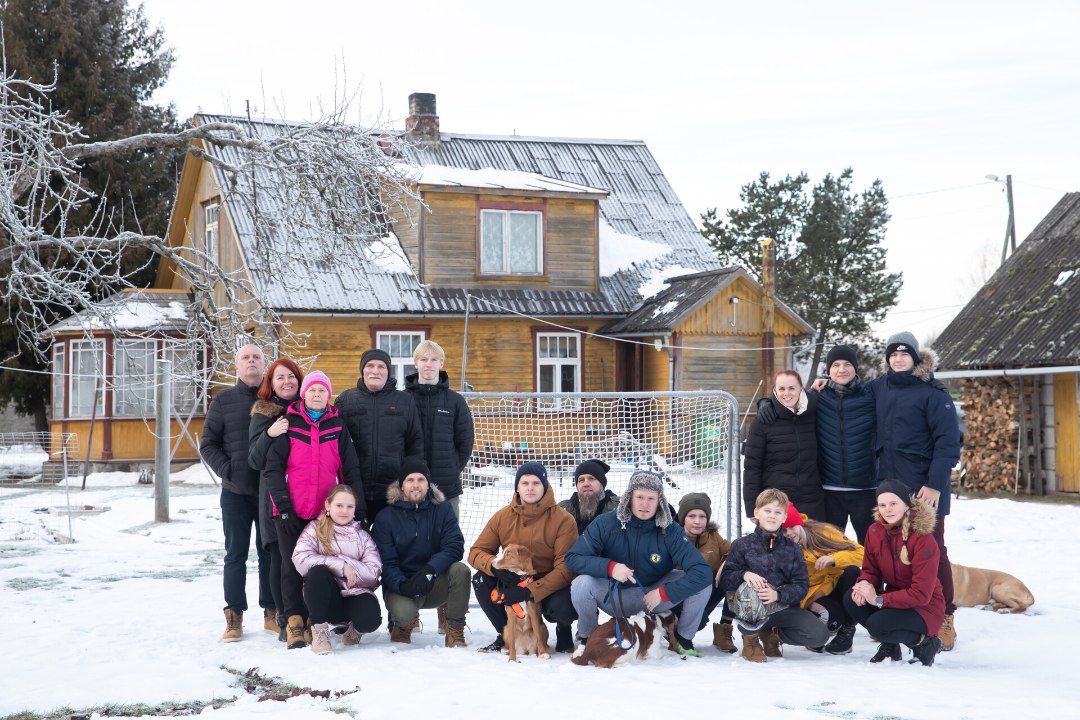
(833, 563)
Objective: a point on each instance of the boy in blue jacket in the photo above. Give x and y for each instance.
(772, 566)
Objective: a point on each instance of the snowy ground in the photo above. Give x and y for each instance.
(131, 614)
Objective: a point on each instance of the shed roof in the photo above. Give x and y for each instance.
(134, 311)
(1028, 313)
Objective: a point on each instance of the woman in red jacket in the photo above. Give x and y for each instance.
(898, 597)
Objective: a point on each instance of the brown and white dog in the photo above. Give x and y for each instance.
(643, 636)
(525, 632)
(973, 587)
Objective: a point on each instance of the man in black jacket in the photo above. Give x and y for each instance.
(445, 420)
(384, 425)
(592, 497)
(224, 447)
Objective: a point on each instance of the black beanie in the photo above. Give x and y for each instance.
(374, 354)
(597, 468)
(841, 352)
(413, 465)
(694, 501)
(531, 468)
(895, 487)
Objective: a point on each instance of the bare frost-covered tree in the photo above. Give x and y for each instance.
(332, 185)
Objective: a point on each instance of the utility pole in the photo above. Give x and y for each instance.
(768, 312)
(1010, 228)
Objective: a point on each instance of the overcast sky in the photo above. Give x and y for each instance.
(929, 97)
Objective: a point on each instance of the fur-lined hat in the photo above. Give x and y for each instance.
(644, 480)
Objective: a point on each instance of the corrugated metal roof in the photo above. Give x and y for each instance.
(665, 310)
(640, 203)
(133, 311)
(1028, 314)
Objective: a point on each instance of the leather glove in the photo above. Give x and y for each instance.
(765, 411)
(506, 577)
(513, 595)
(419, 584)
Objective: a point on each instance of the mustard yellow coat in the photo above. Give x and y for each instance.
(823, 582)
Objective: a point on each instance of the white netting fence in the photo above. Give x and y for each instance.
(689, 438)
(44, 457)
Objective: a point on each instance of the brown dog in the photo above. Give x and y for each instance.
(525, 632)
(642, 634)
(973, 587)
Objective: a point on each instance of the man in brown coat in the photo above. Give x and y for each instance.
(534, 520)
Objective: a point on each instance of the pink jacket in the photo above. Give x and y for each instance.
(352, 546)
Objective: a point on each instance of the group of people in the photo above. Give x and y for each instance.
(831, 449)
(349, 497)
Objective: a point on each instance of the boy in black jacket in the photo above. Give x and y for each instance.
(773, 569)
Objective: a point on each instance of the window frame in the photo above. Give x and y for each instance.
(398, 371)
(506, 210)
(59, 380)
(76, 347)
(578, 363)
(212, 230)
(148, 380)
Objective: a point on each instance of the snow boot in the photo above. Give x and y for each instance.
(282, 623)
(496, 645)
(771, 640)
(442, 619)
(721, 634)
(402, 633)
(295, 632)
(947, 634)
(887, 650)
(926, 650)
(270, 621)
(308, 637)
(564, 638)
(841, 644)
(751, 648)
(455, 634)
(320, 639)
(352, 635)
(234, 626)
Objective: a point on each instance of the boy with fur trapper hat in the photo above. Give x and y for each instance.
(639, 547)
(772, 567)
(695, 516)
(592, 497)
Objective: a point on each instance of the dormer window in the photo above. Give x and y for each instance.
(511, 242)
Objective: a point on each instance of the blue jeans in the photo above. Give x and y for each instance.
(238, 514)
(591, 594)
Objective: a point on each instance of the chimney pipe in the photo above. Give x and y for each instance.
(422, 123)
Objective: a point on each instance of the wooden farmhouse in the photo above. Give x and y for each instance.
(1016, 346)
(562, 265)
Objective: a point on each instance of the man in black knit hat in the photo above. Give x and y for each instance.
(592, 497)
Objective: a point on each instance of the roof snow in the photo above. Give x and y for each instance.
(492, 178)
(388, 255)
(1063, 277)
(618, 251)
(659, 279)
(666, 308)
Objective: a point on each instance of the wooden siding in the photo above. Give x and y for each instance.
(1067, 433)
(715, 316)
(656, 370)
(501, 351)
(736, 371)
(449, 245)
(131, 439)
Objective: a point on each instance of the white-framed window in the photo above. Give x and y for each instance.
(558, 368)
(134, 378)
(511, 242)
(210, 230)
(187, 375)
(399, 345)
(86, 377)
(58, 380)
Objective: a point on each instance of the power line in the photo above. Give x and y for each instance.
(940, 190)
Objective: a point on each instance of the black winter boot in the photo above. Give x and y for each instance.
(926, 650)
(841, 644)
(887, 650)
(564, 638)
(496, 646)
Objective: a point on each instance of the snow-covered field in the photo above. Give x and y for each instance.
(131, 614)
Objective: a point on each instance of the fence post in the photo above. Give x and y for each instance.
(164, 413)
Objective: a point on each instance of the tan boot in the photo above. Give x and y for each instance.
(771, 640)
(320, 639)
(947, 634)
(270, 621)
(442, 620)
(294, 632)
(721, 633)
(402, 633)
(455, 634)
(234, 626)
(308, 636)
(751, 648)
(352, 636)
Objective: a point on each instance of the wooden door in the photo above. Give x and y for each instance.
(1067, 432)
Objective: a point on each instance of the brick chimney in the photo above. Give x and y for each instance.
(422, 123)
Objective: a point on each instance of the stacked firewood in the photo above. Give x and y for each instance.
(991, 437)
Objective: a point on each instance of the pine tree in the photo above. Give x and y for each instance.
(107, 62)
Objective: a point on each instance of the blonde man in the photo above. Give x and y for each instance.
(445, 420)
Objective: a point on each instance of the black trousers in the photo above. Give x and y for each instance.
(798, 627)
(890, 625)
(275, 575)
(556, 607)
(292, 584)
(326, 603)
(855, 504)
(834, 601)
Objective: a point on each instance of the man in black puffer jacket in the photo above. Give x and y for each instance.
(445, 420)
(384, 425)
(224, 447)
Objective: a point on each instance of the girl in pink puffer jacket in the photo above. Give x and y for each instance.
(341, 568)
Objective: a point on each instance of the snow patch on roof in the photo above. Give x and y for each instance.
(618, 251)
(388, 255)
(1063, 277)
(665, 308)
(491, 178)
(134, 315)
(659, 279)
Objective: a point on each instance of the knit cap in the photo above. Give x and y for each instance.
(694, 501)
(316, 378)
(597, 468)
(644, 480)
(531, 468)
(374, 354)
(843, 352)
(903, 342)
(895, 487)
(793, 516)
(412, 465)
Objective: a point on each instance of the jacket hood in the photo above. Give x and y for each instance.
(923, 517)
(924, 371)
(269, 408)
(413, 381)
(393, 493)
(548, 501)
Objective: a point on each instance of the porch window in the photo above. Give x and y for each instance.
(399, 346)
(134, 390)
(511, 242)
(558, 369)
(87, 376)
(58, 381)
(187, 373)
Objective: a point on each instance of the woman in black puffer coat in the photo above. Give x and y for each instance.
(783, 455)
